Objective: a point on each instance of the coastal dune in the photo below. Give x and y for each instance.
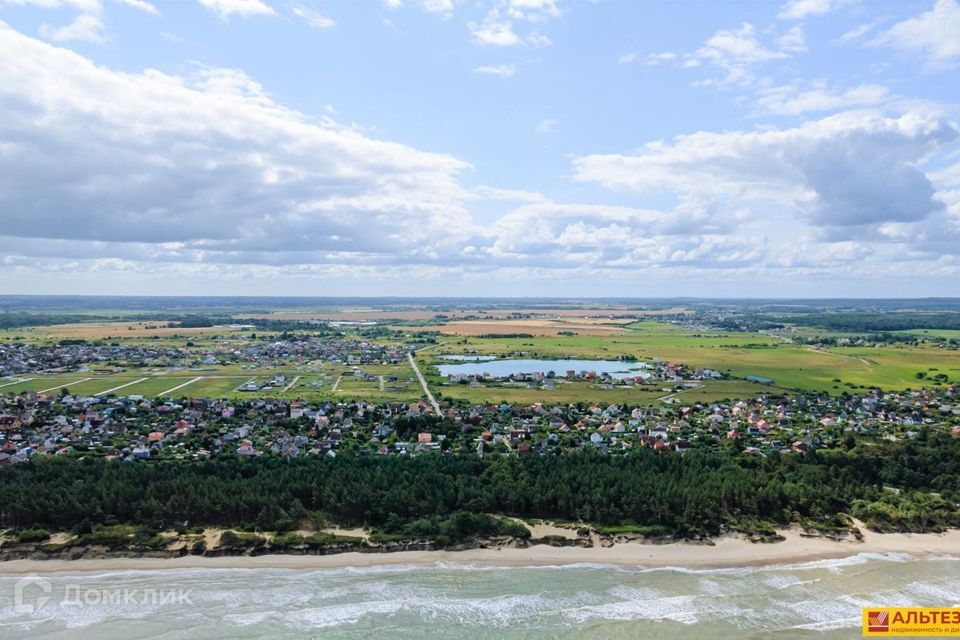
(726, 551)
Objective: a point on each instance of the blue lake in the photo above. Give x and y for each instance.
(503, 368)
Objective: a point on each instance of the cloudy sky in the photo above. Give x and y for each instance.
(480, 147)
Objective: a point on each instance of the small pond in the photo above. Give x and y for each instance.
(503, 368)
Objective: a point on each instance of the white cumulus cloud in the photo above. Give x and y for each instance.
(314, 18)
(847, 170)
(86, 27)
(800, 9)
(206, 168)
(502, 70)
(227, 8)
(934, 34)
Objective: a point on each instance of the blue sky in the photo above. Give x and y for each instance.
(480, 147)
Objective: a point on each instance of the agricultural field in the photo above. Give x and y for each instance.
(538, 327)
(117, 330)
(125, 384)
(789, 366)
(934, 333)
(648, 339)
(347, 315)
(389, 382)
(367, 314)
(589, 332)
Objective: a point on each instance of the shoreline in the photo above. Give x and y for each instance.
(724, 552)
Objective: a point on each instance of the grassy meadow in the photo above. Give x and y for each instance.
(789, 366)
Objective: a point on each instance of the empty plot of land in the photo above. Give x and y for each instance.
(377, 382)
(180, 386)
(61, 386)
(74, 384)
(38, 383)
(96, 386)
(118, 387)
(149, 386)
(216, 387)
(20, 381)
(840, 355)
(187, 386)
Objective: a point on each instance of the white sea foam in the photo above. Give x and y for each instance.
(823, 612)
(946, 591)
(683, 609)
(340, 614)
(730, 571)
(249, 619)
(787, 581)
(626, 592)
(847, 561)
(830, 564)
(822, 597)
(830, 625)
(574, 566)
(501, 611)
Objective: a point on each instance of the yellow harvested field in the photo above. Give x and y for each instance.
(94, 330)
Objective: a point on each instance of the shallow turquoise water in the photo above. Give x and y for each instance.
(820, 599)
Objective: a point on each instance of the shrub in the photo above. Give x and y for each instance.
(28, 536)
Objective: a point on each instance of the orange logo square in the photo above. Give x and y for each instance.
(878, 621)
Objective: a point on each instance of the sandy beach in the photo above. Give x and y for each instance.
(728, 551)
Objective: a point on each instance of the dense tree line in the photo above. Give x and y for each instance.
(21, 319)
(194, 322)
(874, 322)
(701, 493)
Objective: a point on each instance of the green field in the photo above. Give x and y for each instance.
(223, 382)
(404, 388)
(48, 384)
(789, 366)
(934, 333)
(737, 354)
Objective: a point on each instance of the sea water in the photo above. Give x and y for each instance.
(821, 599)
